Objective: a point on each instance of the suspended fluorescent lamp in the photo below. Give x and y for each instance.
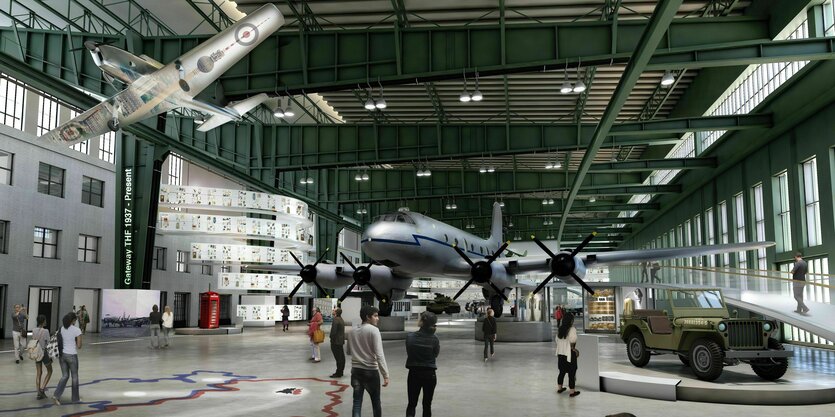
(667, 79)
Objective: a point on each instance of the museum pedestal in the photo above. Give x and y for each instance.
(508, 330)
(392, 328)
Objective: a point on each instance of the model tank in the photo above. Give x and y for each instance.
(443, 304)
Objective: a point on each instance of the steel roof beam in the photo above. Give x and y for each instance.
(650, 38)
(216, 18)
(654, 164)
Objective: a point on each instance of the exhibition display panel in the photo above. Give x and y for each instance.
(220, 252)
(285, 234)
(219, 199)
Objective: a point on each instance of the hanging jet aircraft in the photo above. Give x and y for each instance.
(407, 245)
(154, 88)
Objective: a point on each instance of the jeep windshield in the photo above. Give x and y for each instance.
(697, 299)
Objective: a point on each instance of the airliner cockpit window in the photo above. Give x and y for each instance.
(402, 218)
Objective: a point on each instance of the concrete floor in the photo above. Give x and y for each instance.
(267, 371)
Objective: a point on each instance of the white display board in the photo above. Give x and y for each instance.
(265, 313)
(284, 233)
(220, 252)
(267, 282)
(234, 200)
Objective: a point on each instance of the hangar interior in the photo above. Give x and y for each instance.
(602, 125)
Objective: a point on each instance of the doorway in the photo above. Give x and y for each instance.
(2, 310)
(181, 307)
(90, 299)
(225, 310)
(44, 301)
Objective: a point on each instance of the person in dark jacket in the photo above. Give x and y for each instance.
(422, 347)
(337, 342)
(489, 328)
(285, 318)
(155, 318)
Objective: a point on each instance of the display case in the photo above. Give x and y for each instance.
(601, 311)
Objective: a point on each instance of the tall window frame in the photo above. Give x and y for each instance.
(723, 232)
(697, 238)
(688, 240)
(175, 169)
(182, 262)
(811, 202)
(48, 113)
(759, 224)
(107, 147)
(739, 221)
(92, 191)
(12, 102)
(159, 258)
(783, 229)
(710, 228)
(45, 244)
(4, 236)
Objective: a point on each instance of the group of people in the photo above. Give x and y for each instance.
(368, 360)
(651, 267)
(160, 323)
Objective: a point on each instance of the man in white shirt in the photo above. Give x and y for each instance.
(19, 329)
(367, 361)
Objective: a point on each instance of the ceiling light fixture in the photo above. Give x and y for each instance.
(551, 201)
(288, 112)
(381, 103)
(592, 199)
(477, 96)
(580, 86)
(566, 86)
(544, 201)
(358, 176)
(369, 102)
(667, 79)
(491, 169)
(465, 95)
(365, 176)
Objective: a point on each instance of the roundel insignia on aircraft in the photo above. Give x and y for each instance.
(246, 35)
(205, 64)
(71, 132)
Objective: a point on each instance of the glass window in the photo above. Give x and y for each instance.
(6, 161)
(107, 147)
(697, 237)
(4, 236)
(784, 224)
(12, 97)
(46, 243)
(227, 269)
(206, 269)
(48, 109)
(92, 192)
(697, 299)
(812, 202)
(175, 169)
(711, 234)
(759, 225)
(723, 232)
(688, 240)
(739, 214)
(50, 180)
(88, 249)
(182, 261)
(159, 258)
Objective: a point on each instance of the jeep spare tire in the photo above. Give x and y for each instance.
(771, 369)
(706, 359)
(636, 349)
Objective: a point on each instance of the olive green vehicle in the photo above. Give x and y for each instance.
(443, 304)
(695, 325)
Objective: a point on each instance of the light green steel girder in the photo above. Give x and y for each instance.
(654, 164)
(30, 19)
(657, 26)
(290, 148)
(305, 17)
(216, 18)
(139, 19)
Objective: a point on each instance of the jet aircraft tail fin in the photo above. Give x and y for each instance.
(239, 107)
(496, 227)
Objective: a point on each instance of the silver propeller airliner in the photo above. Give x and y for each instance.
(407, 245)
(154, 88)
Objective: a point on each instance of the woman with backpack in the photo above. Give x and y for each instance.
(70, 341)
(41, 337)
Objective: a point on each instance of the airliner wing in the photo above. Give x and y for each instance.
(526, 265)
(635, 256)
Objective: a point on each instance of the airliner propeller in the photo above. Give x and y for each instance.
(362, 276)
(308, 273)
(481, 271)
(564, 264)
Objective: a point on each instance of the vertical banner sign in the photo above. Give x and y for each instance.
(127, 229)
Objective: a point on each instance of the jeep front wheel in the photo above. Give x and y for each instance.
(636, 349)
(706, 359)
(771, 369)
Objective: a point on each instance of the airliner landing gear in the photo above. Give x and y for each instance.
(385, 307)
(497, 303)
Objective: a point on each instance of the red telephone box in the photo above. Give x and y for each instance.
(209, 310)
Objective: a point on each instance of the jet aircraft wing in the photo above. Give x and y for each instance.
(87, 125)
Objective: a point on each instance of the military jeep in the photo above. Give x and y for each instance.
(694, 324)
(443, 304)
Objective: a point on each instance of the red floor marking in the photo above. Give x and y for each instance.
(225, 387)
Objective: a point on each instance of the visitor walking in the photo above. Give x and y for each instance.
(19, 329)
(567, 354)
(654, 272)
(368, 361)
(41, 334)
(644, 265)
(422, 347)
(559, 314)
(83, 319)
(313, 328)
(69, 342)
(155, 318)
(285, 318)
(799, 277)
(489, 328)
(167, 325)
(338, 342)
